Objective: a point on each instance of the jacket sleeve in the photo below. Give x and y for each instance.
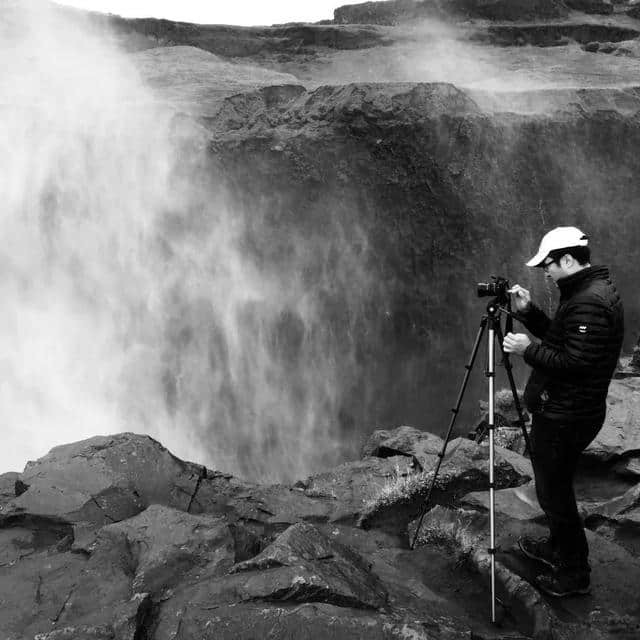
(586, 335)
(535, 320)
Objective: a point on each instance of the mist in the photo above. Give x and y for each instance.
(133, 297)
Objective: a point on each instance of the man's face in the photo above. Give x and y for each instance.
(554, 269)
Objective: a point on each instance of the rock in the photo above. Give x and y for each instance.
(350, 486)
(399, 11)
(197, 82)
(311, 621)
(301, 566)
(628, 466)
(614, 571)
(468, 532)
(505, 406)
(592, 47)
(46, 588)
(271, 505)
(619, 435)
(520, 503)
(635, 358)
(607, 47)
(168, 544)
(634, 12)
(422, 446)
(7, 488)
(464, 468)
(590, 6)
(628, 366)
(619, 520)
(132, 618)
(334, 574)
(105, 479)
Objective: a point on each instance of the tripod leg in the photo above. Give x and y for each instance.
(491, 375)
(509, 369)
(455, 410)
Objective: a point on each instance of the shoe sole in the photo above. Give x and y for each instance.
(537, 558)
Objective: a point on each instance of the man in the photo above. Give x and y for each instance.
(566, 394)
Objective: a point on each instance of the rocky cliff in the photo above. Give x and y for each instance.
(405, 194)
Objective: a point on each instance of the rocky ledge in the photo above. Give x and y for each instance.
(114, 538)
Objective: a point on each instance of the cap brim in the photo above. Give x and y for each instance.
(537, 260)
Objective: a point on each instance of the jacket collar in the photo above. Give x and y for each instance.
(576, 281)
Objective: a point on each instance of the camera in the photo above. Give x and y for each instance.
(499, 288)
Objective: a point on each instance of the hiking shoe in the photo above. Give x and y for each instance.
(564, 583)
(539, 549)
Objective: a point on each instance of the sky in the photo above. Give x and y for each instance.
(237, 12)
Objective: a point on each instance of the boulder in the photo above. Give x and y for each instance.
(50, 591)
(351, 486)
(105, 479)
(619, 520)
(422, 446)
(270, 506)
(321, 569)
(167, 544)
(619, 435)
(301, 566)
(465, 468)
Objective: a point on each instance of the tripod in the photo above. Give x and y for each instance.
(492, 321)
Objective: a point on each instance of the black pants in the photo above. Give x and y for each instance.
(556, 448)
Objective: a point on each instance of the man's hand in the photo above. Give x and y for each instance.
(521, 297)
(516, 343)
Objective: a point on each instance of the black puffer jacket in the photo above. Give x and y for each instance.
(580, 347)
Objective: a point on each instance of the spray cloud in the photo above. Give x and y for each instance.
(131, 300)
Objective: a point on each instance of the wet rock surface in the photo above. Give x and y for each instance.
(330, 555)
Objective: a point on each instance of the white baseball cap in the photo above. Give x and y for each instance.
(558, 238)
